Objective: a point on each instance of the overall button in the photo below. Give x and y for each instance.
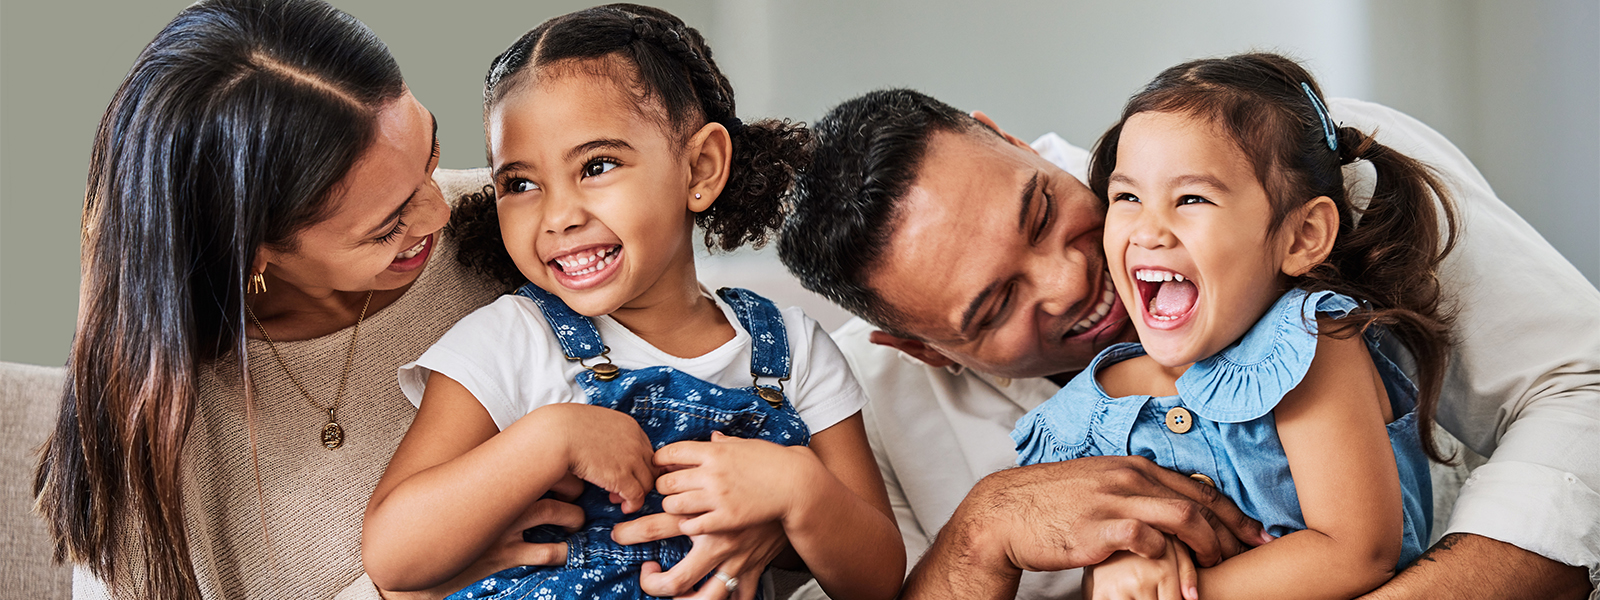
(1179, 420)
(1203, 479)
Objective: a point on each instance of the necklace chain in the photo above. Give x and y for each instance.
(349, 358)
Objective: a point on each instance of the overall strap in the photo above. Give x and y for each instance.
(576, 333)
(769, 341)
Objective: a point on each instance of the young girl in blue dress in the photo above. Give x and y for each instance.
(1272, 314)
(611, 134)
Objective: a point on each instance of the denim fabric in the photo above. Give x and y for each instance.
(670, 406)
(1233, 438)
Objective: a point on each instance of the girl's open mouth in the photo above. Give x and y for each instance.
(587, 267)
(1168, 298)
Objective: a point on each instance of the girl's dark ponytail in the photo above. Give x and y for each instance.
(766, 153)
(1390, 257)
(766, 156)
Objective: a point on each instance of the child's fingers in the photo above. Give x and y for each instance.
(681, 453)
(648, 528)
(679, 481)
(537, 555)
(549, 511)
(567, 488)
(681, 578)
(1188, 577)
(688, 503)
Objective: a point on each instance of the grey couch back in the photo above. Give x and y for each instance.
(29, 397)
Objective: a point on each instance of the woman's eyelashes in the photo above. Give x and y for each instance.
(399, 226)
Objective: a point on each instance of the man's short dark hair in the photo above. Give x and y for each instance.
(866, 152)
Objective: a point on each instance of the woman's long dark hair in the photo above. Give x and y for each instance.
(1264, 103)
(672, 64)
(226, 136)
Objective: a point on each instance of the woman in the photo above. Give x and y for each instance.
(219, 443)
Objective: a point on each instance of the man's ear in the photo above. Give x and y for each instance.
(916, 348)
(1310, 233)
(709, 151)
(1014, 140)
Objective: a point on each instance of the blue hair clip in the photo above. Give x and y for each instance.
(1328, 130)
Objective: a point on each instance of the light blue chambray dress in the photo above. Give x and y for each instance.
(1226, 404)
(670, 406)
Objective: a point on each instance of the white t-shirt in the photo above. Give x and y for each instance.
(508, 357)
(1523, 385)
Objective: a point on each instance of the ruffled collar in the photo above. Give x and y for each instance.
(1246, 380)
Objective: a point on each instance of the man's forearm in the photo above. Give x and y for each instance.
(962, 564)
(1471, 566)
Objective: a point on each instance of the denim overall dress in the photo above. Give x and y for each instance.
(670, 406)
(1219, 429)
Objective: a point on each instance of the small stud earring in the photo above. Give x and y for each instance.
(697, 196)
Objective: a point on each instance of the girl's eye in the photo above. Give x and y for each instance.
(597, 167)
(1187, 200)
(518, 186)
(1124, 197)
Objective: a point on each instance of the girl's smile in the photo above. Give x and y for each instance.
(585, 267)
(1187, 237)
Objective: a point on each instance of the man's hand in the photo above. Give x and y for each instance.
(1059, 516)
(1463, 565)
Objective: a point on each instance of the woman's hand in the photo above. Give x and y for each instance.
(1128, 576)
(509, 550)
(604, 447)
(731, 483)
(743, 555)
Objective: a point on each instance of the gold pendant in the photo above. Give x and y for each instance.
(332, 433)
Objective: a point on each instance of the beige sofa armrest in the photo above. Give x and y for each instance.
(29, 398)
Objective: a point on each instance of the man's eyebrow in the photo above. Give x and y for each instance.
(977, 303)
(609, 144)
(1027, 201)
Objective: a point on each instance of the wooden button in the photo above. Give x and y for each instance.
(1179, 420)
(1203, 479)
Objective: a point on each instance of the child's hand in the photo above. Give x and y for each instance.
(1128, 576)
(731, 483)
(742, 555)
(603, 447)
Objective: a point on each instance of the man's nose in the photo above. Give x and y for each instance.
(1060, 283)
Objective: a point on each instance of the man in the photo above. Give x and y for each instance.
(977, 261)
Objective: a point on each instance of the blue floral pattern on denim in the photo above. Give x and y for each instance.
(1233, 439)
(670, 406)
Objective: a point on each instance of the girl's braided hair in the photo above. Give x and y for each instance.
(675, 75)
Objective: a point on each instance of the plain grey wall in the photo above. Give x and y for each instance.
(1516, 85)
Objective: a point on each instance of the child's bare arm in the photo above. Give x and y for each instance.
(1332, 430)
(456, 484)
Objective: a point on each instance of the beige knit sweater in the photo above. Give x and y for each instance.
(312, 498)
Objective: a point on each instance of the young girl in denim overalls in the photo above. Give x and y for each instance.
(1271, 315)
(687, 413)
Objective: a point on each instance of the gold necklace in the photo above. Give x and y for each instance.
(332, 432)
